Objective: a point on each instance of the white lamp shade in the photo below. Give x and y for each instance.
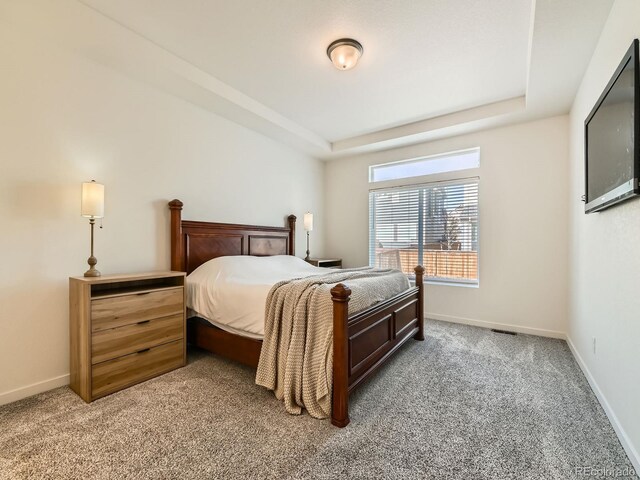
(308, 221)
(92, 200)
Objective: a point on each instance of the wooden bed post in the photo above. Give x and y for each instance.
(292, 234)
(177, 257)
(340, 295)
(420, 284)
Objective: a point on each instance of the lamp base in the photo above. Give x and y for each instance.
(92, 272)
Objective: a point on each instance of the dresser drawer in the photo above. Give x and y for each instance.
(122, 310)
(116, 342)
(113, 375)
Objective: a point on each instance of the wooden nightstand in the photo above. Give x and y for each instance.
(326, 262)
(125, 329)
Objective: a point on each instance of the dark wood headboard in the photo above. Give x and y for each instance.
(193, 243)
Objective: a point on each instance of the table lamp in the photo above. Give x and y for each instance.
(308, 226)
(92, 208)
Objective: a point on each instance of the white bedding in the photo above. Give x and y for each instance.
(230, 292)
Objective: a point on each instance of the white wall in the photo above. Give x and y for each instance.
(523, 225)
(605, 255)
(65, 120)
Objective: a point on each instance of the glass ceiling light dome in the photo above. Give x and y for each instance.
(345, 53)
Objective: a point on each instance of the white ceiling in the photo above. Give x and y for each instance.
(421, 58)
(431, 68)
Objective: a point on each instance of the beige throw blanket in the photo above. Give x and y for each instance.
(296, 360)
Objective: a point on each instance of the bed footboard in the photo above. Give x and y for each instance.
(362, 342)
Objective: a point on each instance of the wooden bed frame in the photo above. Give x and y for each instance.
(361, 342)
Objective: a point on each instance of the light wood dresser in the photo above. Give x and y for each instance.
(125, 329)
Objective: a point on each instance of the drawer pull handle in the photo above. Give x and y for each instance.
(143, 322)
(143, 293)
(144, 350)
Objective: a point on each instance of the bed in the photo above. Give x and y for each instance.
(362, 342)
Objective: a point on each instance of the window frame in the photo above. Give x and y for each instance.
(438, 156)
(451, 178)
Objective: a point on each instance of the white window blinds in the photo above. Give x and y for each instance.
(434, 225)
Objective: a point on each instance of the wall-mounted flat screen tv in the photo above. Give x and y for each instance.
(612, 138)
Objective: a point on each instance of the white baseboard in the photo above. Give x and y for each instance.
(24, 392)
(622, 435)
(500, 326)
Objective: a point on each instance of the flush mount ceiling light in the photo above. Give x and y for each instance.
(345, 53)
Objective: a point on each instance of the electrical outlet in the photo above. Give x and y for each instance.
(593, 341)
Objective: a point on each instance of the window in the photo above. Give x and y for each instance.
(432, 224)
(449, 162)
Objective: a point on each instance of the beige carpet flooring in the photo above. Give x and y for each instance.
(466, 403)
